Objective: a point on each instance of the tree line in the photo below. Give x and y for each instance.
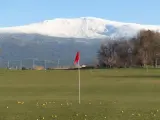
(139, 51)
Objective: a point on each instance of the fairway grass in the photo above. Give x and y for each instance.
(108, 94)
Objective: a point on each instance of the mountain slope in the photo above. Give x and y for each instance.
(85, 27)
(62, 38)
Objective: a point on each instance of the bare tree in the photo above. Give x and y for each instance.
(142, 50)
(149, 46)
(107, 54)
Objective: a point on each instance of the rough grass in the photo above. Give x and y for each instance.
(117, 94)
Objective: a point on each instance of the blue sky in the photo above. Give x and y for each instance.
(20, 12)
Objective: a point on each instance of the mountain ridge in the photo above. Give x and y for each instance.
(61, 39)
(83, 27)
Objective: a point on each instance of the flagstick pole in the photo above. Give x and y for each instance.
(79, 83)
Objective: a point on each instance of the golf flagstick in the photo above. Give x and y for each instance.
(79, 74)
(76, 61)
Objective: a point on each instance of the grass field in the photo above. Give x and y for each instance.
(117, 94)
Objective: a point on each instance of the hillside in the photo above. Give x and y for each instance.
(60, 38)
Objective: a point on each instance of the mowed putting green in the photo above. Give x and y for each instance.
(115, 94)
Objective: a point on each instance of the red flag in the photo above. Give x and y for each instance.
(77, 58)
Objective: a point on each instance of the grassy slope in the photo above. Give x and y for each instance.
(119, 94)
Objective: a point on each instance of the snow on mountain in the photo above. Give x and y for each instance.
(62, 38)
(84, 27)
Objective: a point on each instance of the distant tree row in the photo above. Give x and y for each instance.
(142, 50)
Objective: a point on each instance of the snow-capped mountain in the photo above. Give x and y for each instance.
(85, 27)
(61, 38)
